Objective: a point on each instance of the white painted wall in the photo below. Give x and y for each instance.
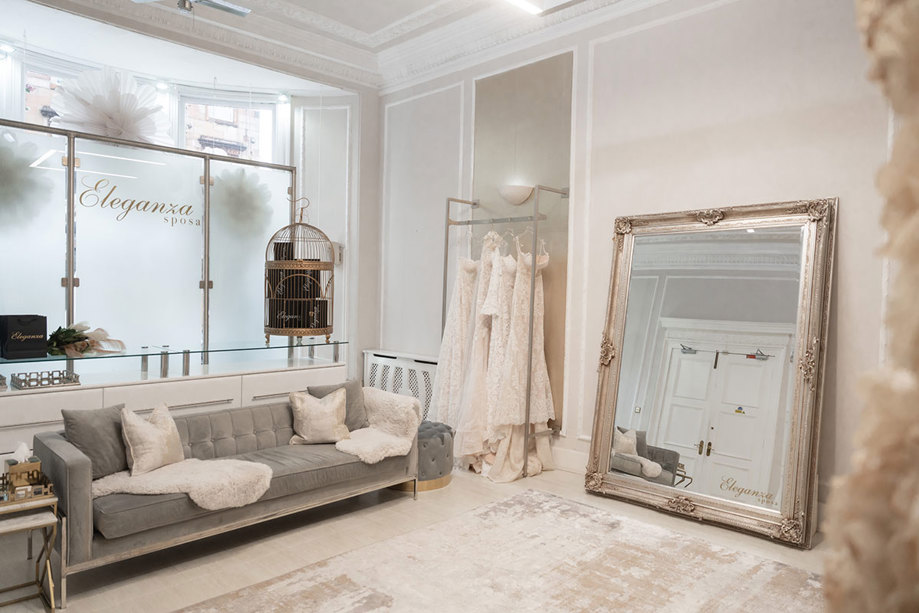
(700, 103)
(422, 151)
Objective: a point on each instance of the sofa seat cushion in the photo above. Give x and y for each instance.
(295, 469)
(118, 515)
(301, 468)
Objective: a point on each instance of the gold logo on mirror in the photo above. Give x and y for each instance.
(729, 484)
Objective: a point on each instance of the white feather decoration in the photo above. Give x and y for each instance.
(110, 103)
(22, 189)
(241, 201)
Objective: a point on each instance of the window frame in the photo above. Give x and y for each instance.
(279, 153)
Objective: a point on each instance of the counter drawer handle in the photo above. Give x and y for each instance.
(206, 403)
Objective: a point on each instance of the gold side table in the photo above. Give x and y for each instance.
(38, 513)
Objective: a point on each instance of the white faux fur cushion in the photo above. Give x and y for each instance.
(150, 443)
(625, 443)
(211, 484)
(319, 420)
(394, 423)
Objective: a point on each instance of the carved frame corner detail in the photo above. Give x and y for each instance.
(623, 225)
(607, 351)
(710, 216)
(808, 363)
(816, 210)
(681, 504)
(790, 530)
(593, 481)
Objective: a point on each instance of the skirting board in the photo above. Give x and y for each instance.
(570, 460)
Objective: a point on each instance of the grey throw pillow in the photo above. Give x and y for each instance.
(97, 433)
(356, 417)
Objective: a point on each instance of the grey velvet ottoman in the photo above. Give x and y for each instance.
(435, 456)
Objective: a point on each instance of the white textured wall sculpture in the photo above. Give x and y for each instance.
(240, 201)
(873, 517)
(22, 189)
(111, 103)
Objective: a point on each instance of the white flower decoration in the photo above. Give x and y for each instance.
(110, 103)
(240, 200)
(22, 189)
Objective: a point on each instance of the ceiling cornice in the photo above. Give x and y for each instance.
(288, 12)
(448, 35)
(312, 56)
(497, 31)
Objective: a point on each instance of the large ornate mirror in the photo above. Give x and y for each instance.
(711, 365)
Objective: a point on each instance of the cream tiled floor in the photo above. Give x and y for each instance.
(168, 580)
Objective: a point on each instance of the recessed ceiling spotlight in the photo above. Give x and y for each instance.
(527, 6)
(750, 230)
(162, 86)
(283, 99)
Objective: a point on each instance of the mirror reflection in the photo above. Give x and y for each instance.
(707, 373)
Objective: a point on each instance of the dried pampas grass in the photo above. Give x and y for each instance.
(873, 517)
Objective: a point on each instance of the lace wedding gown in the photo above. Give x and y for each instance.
(451, 361)
(510, 408)
(469, 442)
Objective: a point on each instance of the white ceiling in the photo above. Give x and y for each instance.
(368, 16)
(380, 44)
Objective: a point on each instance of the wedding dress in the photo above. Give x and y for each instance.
(451, 361)
(510, 408)
(511, 405)
(498, 303)
(469, 442)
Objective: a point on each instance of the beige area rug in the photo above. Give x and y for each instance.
(534, 552)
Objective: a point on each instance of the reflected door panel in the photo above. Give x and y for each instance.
(716, 312)
(684, 417)
(744, 428)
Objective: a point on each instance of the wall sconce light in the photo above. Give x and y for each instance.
(515, 194)
(283, 99)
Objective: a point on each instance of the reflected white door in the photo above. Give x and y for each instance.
(721, 416)
(684, 420)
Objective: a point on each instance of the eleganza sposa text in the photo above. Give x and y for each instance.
(102, 194)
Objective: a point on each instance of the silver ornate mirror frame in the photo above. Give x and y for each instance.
(795, 522)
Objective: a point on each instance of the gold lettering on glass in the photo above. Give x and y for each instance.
(101, 194)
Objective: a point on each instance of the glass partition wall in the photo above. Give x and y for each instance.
(163, 248)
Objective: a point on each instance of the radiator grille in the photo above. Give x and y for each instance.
(402, 374)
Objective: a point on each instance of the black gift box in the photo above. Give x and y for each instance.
(23, 336)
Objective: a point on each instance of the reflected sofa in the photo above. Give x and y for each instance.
(667, 458)
(120, 526)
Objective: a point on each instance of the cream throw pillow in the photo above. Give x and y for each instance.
(319, 420)
(625, 443)
(150, 443)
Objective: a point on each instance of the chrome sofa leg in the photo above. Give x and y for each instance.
(62, 576)
(415, 488)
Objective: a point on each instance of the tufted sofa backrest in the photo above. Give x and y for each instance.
(224, 433)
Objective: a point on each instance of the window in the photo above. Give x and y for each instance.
(240, 132)
(39, 89)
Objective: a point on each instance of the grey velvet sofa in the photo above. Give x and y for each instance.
(120, 526)
(667, 458)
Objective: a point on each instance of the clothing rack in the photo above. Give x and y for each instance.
(533, 219)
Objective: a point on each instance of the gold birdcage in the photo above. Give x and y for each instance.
(299, 282)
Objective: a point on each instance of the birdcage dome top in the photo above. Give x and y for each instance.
(299, 241)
